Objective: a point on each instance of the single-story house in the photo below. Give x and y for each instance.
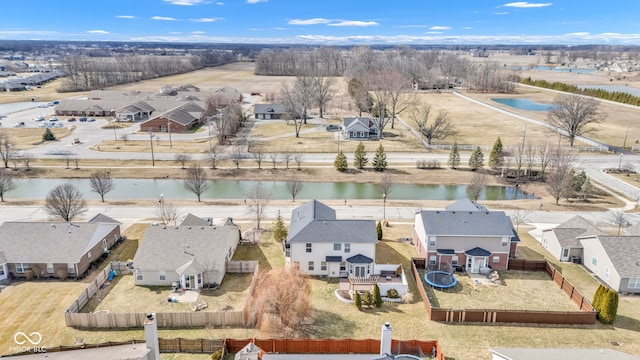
(270, 111)
(179, 119)
(559, 354)
(59, 249)
(360, 128)
(470, 237)
(614, 259)
(563, 241)
(194, 256)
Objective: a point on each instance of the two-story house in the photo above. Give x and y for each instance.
(465, 235)
(321, 245)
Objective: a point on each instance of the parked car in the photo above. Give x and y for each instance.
(58, 125)
(39, 118)
(334, 127)
(20, 124)
(82, 119)
(71, 119)
(3, 116)
(44, 125)
(91, 119)
(53, 119)
(42, 105)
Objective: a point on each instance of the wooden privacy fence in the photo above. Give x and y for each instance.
(586, 315)
(165, 320)
(337, 346)
(241, 266)
(91, 289)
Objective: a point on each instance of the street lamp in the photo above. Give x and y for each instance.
(620, 162)
(153, 161)
(384, 206)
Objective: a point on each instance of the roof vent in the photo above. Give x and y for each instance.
(188, 227)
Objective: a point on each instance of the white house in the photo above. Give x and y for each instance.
(614, 260)
(563, 241)
(194, 256)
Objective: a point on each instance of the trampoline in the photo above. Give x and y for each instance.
(440, 279)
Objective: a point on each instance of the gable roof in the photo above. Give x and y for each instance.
(269, 109)
(102, 218)
(623, 251)
(316, 222)
(465, 205)
(60, 242)
(467, 223)
(181, 247)
(569, 231)
(192, 220)
(359, 124)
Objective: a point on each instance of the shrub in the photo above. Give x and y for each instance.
(609, 307)
(368, 299)
(407, 298)
(392, 293)
(357, 301)
(377, 299)
(379, 230)
(597, 298)
(28, 275)
(217, 355)
(62, 274)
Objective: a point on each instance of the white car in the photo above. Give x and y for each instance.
(44, 125)
(39, 118)
(58, 125)
(53, 119)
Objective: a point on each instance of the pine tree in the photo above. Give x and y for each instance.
(341, 162)
(597, 298)
(476, 161)
(380, 159)
(280, 231)
(360, 159)
(379, 230)
(496, 157)
(454, 156)
(48, 135)
(357, 300)
(377, 299)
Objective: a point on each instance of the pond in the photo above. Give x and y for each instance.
(145, 189)
(555, 68)
(523, 104)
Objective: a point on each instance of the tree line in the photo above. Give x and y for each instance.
(617, 96)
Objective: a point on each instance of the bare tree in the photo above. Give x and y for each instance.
(125, 138)
(619, 219)
(518, 217)
(558, 182)
(258, 155)
(257, 200)
(322, 92)
(196, 181)
(544, 155)
(286, 157)
(214, 157)
(101, 183)
(297, 98)
(274, 159)
(15, 160)
(298, 159)
(6, 183)
(476, 185)
(385, 185)
(440, 128)
(575, 115)
(65, 201)
(7, 148)
(182, 159)
(294, 185)
(384, 84)
(167, 211)
(360, 96)
(236, 156)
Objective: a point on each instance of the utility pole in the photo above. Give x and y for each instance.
(153, 161)
(624, 144)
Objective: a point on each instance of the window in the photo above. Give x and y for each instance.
(71, 268)
(50, 268)
(308, 247)
(21, 267)
(565, 252)
(200, 279)
(323, 265)
(162, 274)
(310, 266)
(361, 133)
(505, 242)
(634, 283)
(139, 277)
(606, 272)
(347, 248)
(337, 247)
(343, 266)
(594, 261)
(432, 260)
(496, 259)
(432, 241)
(454, 260)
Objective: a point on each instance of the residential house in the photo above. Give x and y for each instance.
(360, 128)
(180, 119)
(194, 256)
(614, 259)
(59, 249)
(270, 111)
(469, 237)
(559, 354)
(563, 241)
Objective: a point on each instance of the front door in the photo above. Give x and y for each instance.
(565, 254)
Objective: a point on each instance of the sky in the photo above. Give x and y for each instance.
(325, 22)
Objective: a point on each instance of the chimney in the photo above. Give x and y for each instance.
(151, 336)
(385, 339)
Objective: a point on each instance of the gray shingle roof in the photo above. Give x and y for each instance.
(192, 220)
(360, 259)
(568, 232)
(624, 253)
(162, 248)
(102, 218)
(316, 222)
(465, 205)
(467, 223)
(269, 109)
(478, 251)
(39, 242)
(359, 124)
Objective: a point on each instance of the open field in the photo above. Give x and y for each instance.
(25, 138)
(46, 93)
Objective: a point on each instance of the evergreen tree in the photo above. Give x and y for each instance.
(454, 156)
(341, 162)
(367, 299)
(597, 298)
(609, 306)
(496, 158)
(48, 135)
(280, 231)
(360, 159)
(380, 159)
(476, 161)
(377, 298)
(357, 300)
(379, 230)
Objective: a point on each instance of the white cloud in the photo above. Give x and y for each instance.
(198, 33)
(220, 3)
(97, 32)
(412, 26)
(468, 27)
(526, 4)
(502, 13)
(163, 18)
(313, 21)
(186, 2)
(175, 32)
(206, 20)
(433, 32)
(354, 23)
(584, 33)
(255, 1)
(125, 16)
(438, 28)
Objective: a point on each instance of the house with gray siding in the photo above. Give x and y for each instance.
(360, 128)
(270, 111)
(563, 241)
(614, 260)
(469, 237)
